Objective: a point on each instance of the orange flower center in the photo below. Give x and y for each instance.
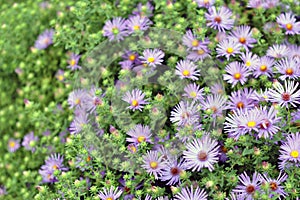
(132, 57)
(195, 43)
(77, 101)
(200, 52)
(134, 103)
(218, 19)
(73, 62)
(289, 71)
(237, 76)
(242, 40)
(263, 68)
(240, 105)
(289, 26)
(141, 139)
(250, 189)
(273, 186)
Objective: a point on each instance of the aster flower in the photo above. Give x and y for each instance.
(131, 56)
(172, 171)
(60, 75)
(288, 22)
(265, 67)
(219, 19)
(201, 153)
(285, 94)
(111, 194)
(193, 91)
(275, 184)
(290, 151)
(191, 41)
(267, 127)
(238, 100)
(81, 119)
(187, 69)
(215, 103)
(191, 194)
(152, 57)
(127, 64)
(243, 35)
(260, 96)
(278, 51)
(205, 3)
(2, 191)
(76, 98)
(248, 187)
(236, 73)
(136, 99)
(270, 3)
(137, 23)
(184, 113)
(44, 40)
(73, 62)
(92, 100)
(295, 53)
(153, 163)
(250, 60)
(201, 54)
(139, 133)
(255, 4)
(288, 68)
(144, 10)
(29, 140)
(115, 29)
(228, 47)
(13, 145)
(217, 88)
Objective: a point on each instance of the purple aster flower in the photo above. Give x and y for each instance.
(137, 23)
(217, 88)
(133, 57)
(185, 113)
(250, 60)
(196, 55)
(295, 53)
(83, 162)
(152, 57)
(236, 73)
(115, 29)
(248, 187)
(267, 127)
(76, 98)
(92, 100)
(264, 67)
(136, 99)
(205, 3)
(285, 95)
(13, 145)
(278, 51)
(238, 100)
(228, 47)
(261, 96)
(193, 91)
(255, 4)
(126, 65)
(234, 196)
(29, 141)
(219, 19)
(2, 191)
(60, 75)
(44, 40)
(111, 194)
(172, 171)
(243, 35)
(187, 69)
(290, 151)
(274, 184)
(288, 22)
(202, 153)
(153, 163)
(191, 194)
(132, 148)
(288, 68)
(139, 133)
(295, 116)
(270, 3)
(73, 62)
(216, 103)
(80, 120)
(190, 40)
(144, 10)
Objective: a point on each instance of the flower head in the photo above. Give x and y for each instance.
(288, 22)
(137, 23)
(219, 19)
(243, 35)
(152, 57)
(290, 151)
(44, 40)
(193, 91)
(153, 163)
(187, 69)
(278, 51)
(248, 187)
(115, 29)
(29, 140)
(111, 194)
(215, 103)
(289, 69)
(73, 62)
(185, 113)
(205, 3)
(136, 99)
(267, 127)
(274, 184)
(236, 73)
(13, 145)
(250, 60)
(172, 171)
(265, 67)
(139, 134)
(192, 42)
(228, 48)
(191, 194)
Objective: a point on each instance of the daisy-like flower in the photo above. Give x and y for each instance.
(288, 22)
(76, 98)
(267, 127)
(73, 62)
(201, 153)
(44, 40)
(172, 171)
(248, 187)
(60, 75)
(132, 57)
(193, 91)
(144, 10)
(153, 163)
(270, 3)
(127, 64)
(136, 99)
(260, 96)
(205, 3)
(236, 73)
(286, 94)
(264, 67)
(243, 35)
(187, 69)
(115, 29)
(111, 194)
(278, 51)
(13, 145)
(184, 113)
(80, 119)
(250, 60)
(275, 184)
(217, 88)
(228, 47)
(2, 190)
(295, 53)
(192, 43)
(191, 194)
(290, 151)
(29, 141)
(201, 54)
(137, 23)
(139, 133)
(234, 196)
(216, 104)
(288, 68)
(255, 4)
(219, 19)
(92, 100)
(152, 57)
(238, 100)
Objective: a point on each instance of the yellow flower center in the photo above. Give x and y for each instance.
(136, 27)
(88, 159)
(289, 27)
(109, 198)
(46, 41)
(251, 124)
(132, 57)
(153, 164)
(237, 76)
(186, 72)
(151, 59)
(195, 43)
(60, 77)
(242, 40)
(133, 149)
(54, 167)
(72, 62)
(193, 94)
(248, 63)
(289, 71)
(77, 101)
(12, 144)
(134, 103)
(200, 52)
(263, 68)
(229, 50)
(141, 139)
(295, 154)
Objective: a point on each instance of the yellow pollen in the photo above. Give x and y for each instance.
(248, 63)
(289, 27)
(193, 94)
(200, 52)
(195, 43)
(132, 57)
(186, 72)
(88, 159)
(229, 50)
(109, 198)
(133, 149)
(295, 154)
(46, 41)
(153, 164)
(141, 139)
(251, 124)
(237, 76)
(54, 167)
(135, 103)
(12, 144)
(136, 27)
(289, 71)
(265, 96)
(151, 59)
(242, 40)
(73, 62)
(77, 101)
(60, 77)
(263, 68)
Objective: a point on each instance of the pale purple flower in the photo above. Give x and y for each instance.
(193, 91)
(191, 41)
(136, 99)
(228, 48)
(144, 10)
(172, 171)
(217, 88)
(80, 120)
(110, 194)
(270, 3)
(187, 69)
(243, 35)
(248, 187)
(205, 3)
(73, 62)
(187, 193)
(290, 151)
(115, 29)
(236, 73)
(215, 103)
(139, 133)
(274, 184)
(196, 55)
(250, 60)
(267, 127)
(288, 68)
(152, 57)
(137, 23)
(44, 40)
(13, 145)
(219, 19)
(76, 98)
(288, 22)
(295, 53)
(255, 4)
(278, 51)
(132, 57)
(92, 100)
(2, 190)
(238, 100)
(29, 140)
(185, 113)
(60, 75)
(153, 163)
(265, 67)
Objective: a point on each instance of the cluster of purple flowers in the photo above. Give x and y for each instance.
(29, 143)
